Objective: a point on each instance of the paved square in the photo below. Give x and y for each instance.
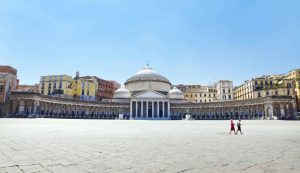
(50, 145)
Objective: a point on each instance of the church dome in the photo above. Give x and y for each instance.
(176, 94)
(147, 74)
(122, 93)
(148, 79)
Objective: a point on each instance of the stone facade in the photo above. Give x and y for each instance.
(55, 85)
(29, 104)
(148, 85)
(295, 75)
(265, 86)
(28, 88)
(220, 91)
(8, 82)
(34, 105)
(116, 85)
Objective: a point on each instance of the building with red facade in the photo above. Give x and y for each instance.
(105, 90)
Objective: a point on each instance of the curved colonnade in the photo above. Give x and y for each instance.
(27, 104)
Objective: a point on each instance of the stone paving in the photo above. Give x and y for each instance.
(62, 146)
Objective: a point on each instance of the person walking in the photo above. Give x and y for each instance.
(239, 126)
(232, 128)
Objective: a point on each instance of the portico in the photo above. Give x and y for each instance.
(150, 105)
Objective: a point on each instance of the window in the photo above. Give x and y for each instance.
(82, 92)
(271, 83)
(258, 95)
(229, 97)
(1, 88)
(209, 95)
(229, 90)
(223, 90)
(268, 93)
(288, 92)
(60, 85)
(289, 85)
(204, 95)
(255, 82)
(88, 93)
(276, 93)
(266, 82)
(196, 101)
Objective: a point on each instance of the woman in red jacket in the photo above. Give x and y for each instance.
(232, 128)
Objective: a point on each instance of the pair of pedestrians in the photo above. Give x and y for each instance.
(232, 127)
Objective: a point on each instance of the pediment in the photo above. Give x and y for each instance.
(150, 94)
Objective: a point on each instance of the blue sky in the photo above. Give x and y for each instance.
(198, 41)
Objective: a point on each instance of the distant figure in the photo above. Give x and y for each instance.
(232, 128)
(239, 124)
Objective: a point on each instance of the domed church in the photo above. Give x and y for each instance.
(150, 95)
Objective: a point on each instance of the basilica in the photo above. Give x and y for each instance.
(148, 95)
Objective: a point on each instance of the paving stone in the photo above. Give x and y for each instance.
(80, 146)
(12, 169)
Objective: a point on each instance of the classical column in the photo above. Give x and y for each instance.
(21, 106)
(282, 111)
(169, 108)
(153, 109)
(142, 109)
(29, 108)
(131, 107)
(163, 109)
(158, 109)
(34, 107)
(136, 109)
(147, 109)
(288, 112)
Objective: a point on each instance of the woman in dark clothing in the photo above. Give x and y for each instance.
(239, 125)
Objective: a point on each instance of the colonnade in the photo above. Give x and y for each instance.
(34, 105)
(149, 109)
(44, 109)
(276, 110)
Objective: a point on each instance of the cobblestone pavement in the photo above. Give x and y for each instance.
(62, 146)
